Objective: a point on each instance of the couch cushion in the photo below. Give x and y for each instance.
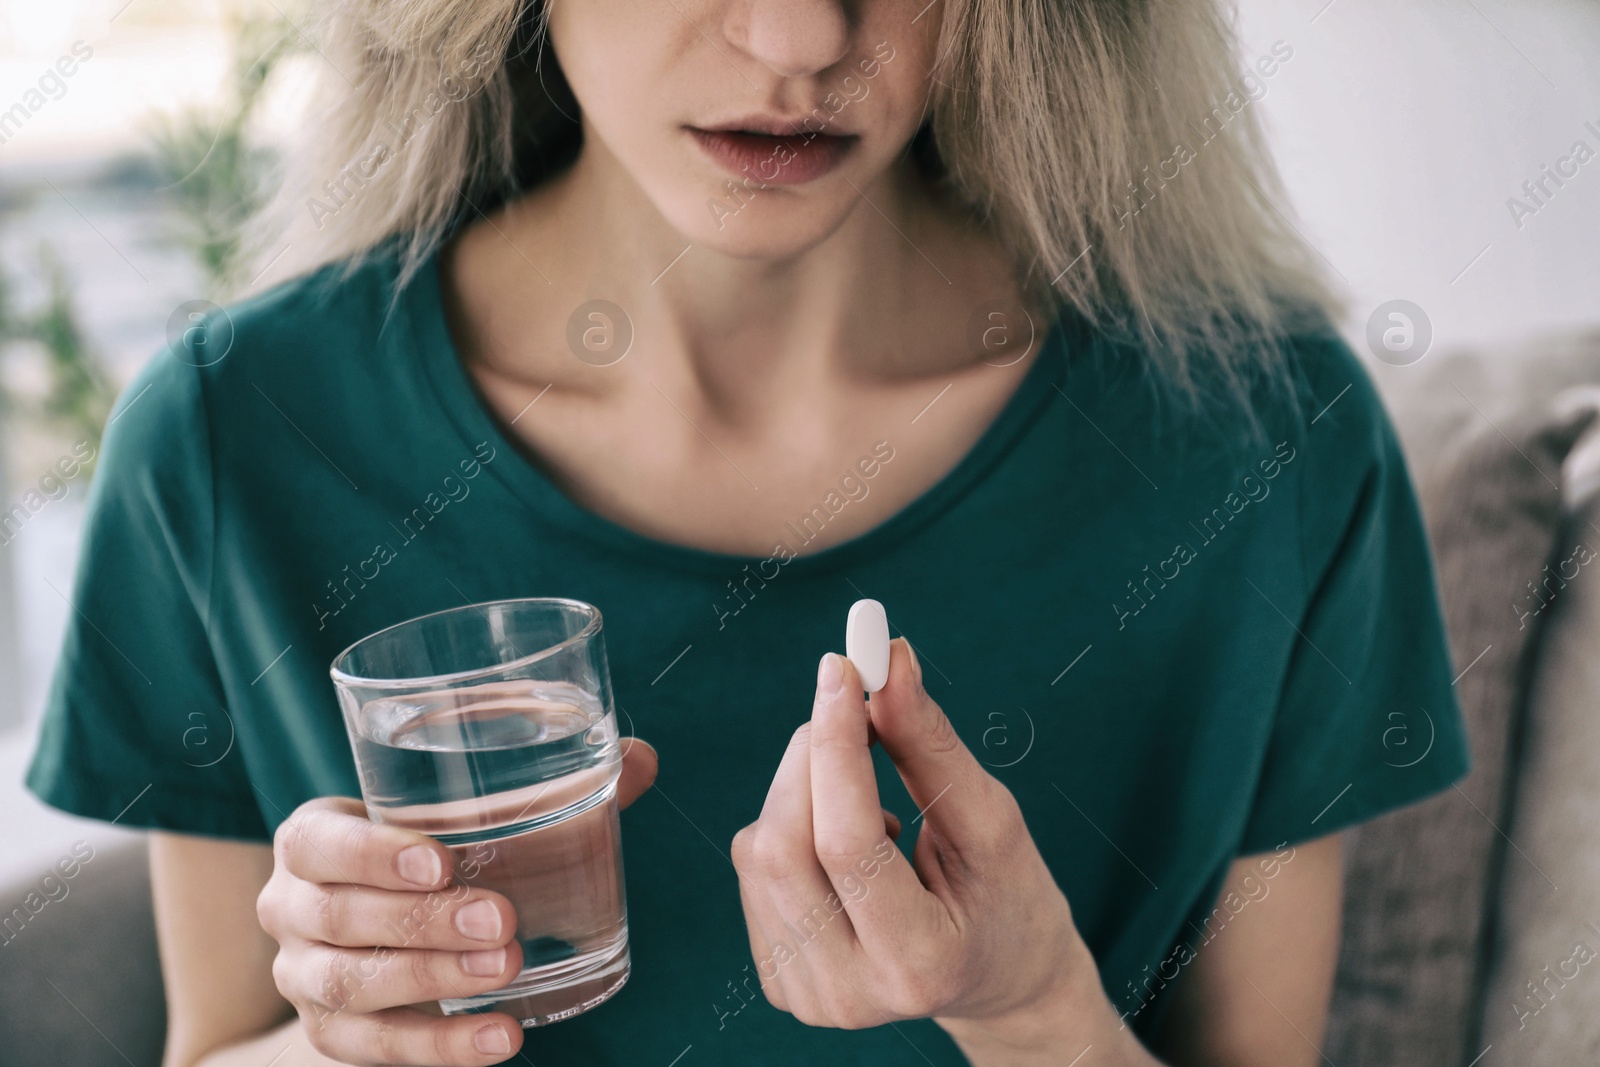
(81, 981)
(1420, 880)
(1543, 998)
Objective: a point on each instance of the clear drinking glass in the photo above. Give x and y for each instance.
(490, 727)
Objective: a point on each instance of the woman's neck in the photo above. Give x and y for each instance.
(750, 384)
(743, 329)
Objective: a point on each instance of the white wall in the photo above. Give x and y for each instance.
(1403, 127)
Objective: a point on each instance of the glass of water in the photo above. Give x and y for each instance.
(490, 727)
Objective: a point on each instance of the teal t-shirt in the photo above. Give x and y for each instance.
(1174, 647)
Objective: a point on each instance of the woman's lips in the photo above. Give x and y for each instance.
(774, 160)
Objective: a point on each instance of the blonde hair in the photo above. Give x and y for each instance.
(1056, 122)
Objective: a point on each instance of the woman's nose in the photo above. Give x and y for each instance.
(793, 38)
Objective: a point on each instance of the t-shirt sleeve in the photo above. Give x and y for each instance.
(1367, 720)
(136, 726)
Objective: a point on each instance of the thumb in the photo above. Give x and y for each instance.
(945, 780)
(639, 765)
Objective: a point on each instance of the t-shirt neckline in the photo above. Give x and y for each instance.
(435, 351)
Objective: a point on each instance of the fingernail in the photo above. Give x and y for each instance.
(484, 962)
(916, 664)
(830, 674)
(491, 1041)
(479, 920)
(419, 865)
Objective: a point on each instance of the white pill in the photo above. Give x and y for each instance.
(866, 643)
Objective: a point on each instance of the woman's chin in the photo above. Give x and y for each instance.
(771, 224)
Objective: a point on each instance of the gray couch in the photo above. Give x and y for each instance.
(1472, 921)
(1467, 917)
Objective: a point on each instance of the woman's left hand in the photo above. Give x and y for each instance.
(972, 932)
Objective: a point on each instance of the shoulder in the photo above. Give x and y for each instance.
(1334, 394)
(1307, 378)
(307, 327)
(1352, 474)
(1307, 392)
(295, 323)
(1311, 393)
(313, 335)
(304, 332)
(1331, 408)
(1313, 412)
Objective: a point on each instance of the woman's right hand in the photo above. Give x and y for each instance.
(372, 930)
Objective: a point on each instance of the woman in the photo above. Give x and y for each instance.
(721, 314)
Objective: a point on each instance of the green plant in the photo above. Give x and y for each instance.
(215, 178)
(81, 392)
(78, 393)
(11, 330)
